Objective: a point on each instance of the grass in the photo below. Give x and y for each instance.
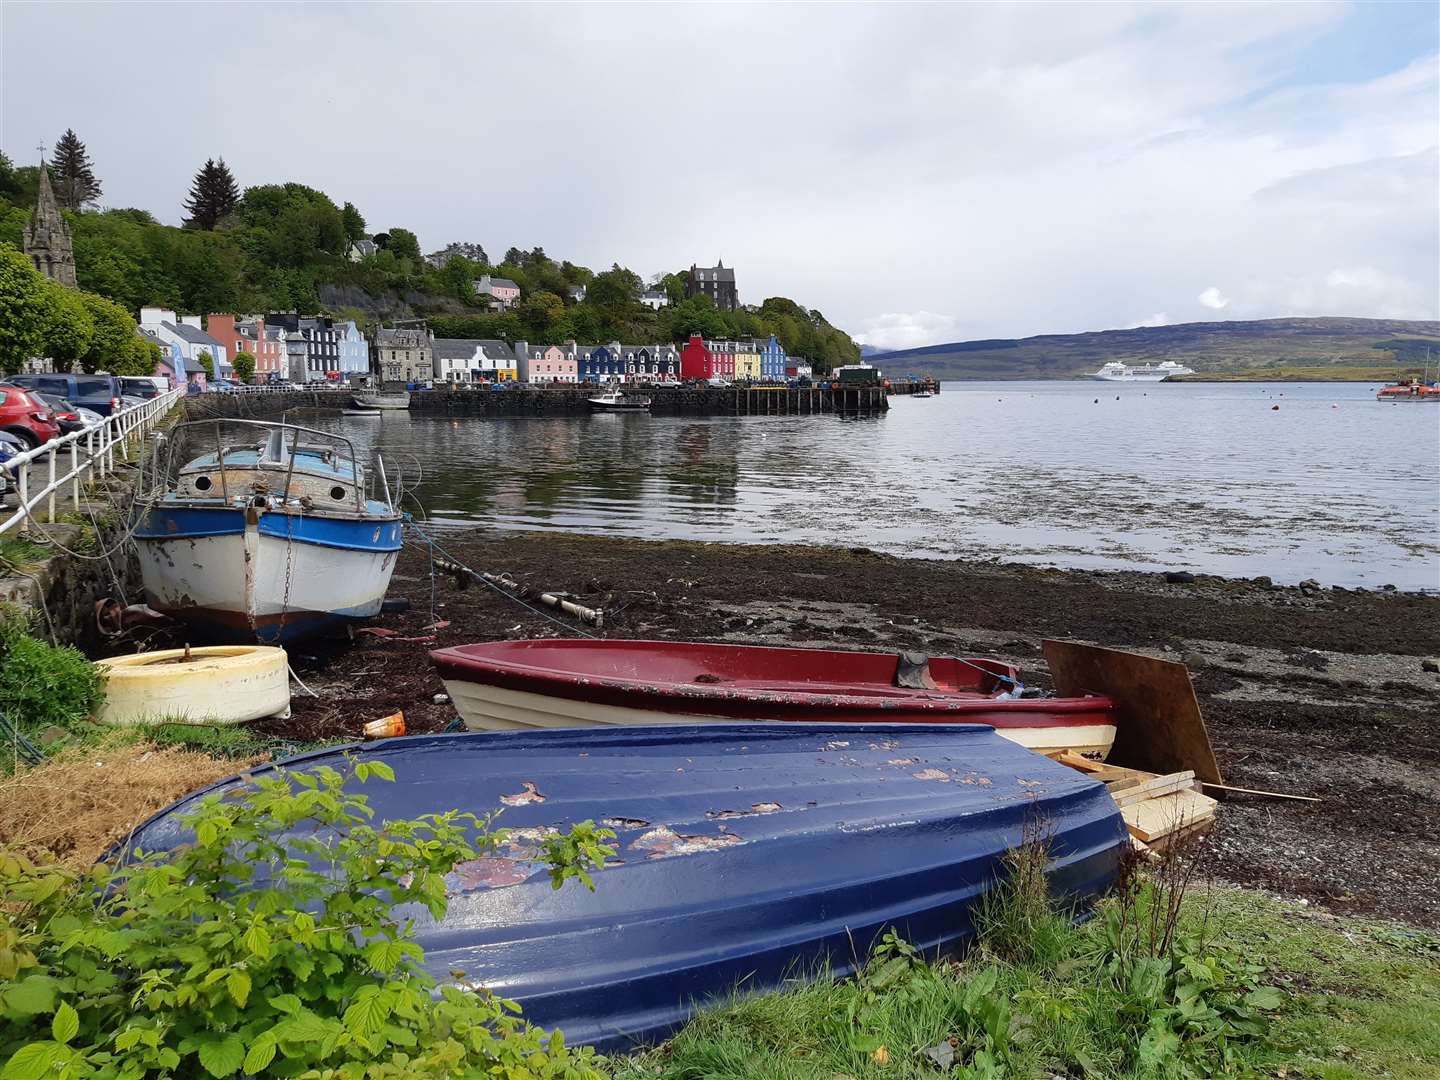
(1318, 373)
(1361, 999)
(19, 554)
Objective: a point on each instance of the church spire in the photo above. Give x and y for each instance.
(47, 236)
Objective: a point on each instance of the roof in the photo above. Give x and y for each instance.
(717, 273)
(464, 348)
(503, 282)
(192, 334)
(402, 338)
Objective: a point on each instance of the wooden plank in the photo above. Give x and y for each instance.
(1153, 789)
(1155, 818)
(1158, 721)
(1076, 761)
(1159, 846)
(1227, 789)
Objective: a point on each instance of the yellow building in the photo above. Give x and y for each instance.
(747, 361)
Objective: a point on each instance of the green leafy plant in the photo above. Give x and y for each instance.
(42, 684)
(277, 943)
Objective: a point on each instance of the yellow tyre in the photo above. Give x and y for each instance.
(219, 684)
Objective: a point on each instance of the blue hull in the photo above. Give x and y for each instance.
(747, 854)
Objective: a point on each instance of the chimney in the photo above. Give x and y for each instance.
(191, 320)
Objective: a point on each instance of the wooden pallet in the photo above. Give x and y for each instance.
(1159, 809)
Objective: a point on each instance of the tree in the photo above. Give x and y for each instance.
(138, 357)
(70, 169)
(614, 290)
(68, 328)
(404, 244)
(244, 366)
(353, 222)
(24, 310)
(207, 363)
(112, 332)
(214, 195)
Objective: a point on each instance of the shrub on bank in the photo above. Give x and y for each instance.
(43, 685)
(269, 946)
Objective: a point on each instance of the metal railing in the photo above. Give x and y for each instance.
(91, 454)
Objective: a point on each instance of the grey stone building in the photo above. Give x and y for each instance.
(403, 355)
(716, 282)
(47, 236)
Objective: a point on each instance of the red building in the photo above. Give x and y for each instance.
(696, 360)
(251, 336)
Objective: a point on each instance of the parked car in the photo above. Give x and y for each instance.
(66, 415)
(141, 386)
(25, 416)
(98, 393)
(10, 446)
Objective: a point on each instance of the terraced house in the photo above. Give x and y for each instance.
(474, 360)
(403, 355)
(546, 363)
(630, 363)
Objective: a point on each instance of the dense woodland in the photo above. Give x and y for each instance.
(284, 246)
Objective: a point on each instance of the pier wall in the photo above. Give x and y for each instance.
(565, 401)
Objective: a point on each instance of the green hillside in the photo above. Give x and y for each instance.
(1243, 349)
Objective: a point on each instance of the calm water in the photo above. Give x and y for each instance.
(1333, 486)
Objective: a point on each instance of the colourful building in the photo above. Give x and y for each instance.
(773, 360)
(546, 364)
(696, 360)
(747, 361)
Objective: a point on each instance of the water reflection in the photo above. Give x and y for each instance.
(1333, 485)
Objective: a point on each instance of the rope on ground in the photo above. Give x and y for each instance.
(435, 546)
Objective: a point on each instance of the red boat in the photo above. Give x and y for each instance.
(544, 683)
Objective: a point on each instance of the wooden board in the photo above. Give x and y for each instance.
(1154, 818)
(1159, 726)
(1153, 789)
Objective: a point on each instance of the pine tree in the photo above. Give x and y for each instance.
(213, 195)
(73, 176)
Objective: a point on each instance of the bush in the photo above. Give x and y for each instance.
(41, 684)
(273, 944)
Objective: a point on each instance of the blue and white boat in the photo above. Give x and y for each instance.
(272, 541)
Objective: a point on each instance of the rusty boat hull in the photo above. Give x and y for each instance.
(746, 855)
(558, 683)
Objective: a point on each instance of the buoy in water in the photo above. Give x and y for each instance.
(1274, 408)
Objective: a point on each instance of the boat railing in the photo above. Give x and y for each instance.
(295, 448)
(91, 453)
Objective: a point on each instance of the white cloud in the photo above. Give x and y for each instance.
(1214, 299)
(906, 330)
(1027, 169)
(1158, 319)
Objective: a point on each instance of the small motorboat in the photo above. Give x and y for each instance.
(580, 683)
(268, 542)
(619, 401)
(922, 394)
(747, 856)
(1409, 390)
(378, 399)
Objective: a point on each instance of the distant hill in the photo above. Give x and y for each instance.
(1206, 347)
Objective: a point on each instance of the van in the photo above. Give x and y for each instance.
(143, 386)
(98, 393)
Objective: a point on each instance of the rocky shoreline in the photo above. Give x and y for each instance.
(1308, 690)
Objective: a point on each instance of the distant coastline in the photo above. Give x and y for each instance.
(1322, 373)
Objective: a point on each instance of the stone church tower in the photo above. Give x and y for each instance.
(47, 237)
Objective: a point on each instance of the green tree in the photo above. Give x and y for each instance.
(207, 363)
(540, 312)
(25, 303)
(674, 286)
(112, 333)
(138, 357)
(72, 174)
(213, 195)
(244, 365)
(404, 245)
(353, 223)
(615, 289)
(69, 327)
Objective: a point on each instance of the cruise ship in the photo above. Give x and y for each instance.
(1115, 371)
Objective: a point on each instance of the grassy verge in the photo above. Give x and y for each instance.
(1360, 999)
(1318, 373)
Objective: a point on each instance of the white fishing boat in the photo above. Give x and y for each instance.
(269, 541)
(616, 400)
(1115, 371)
(381, 399)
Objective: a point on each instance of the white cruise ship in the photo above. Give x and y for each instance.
(1115, 371)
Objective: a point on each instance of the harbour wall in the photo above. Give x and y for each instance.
(565, 401)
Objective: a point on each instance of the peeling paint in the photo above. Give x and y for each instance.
(885, 744)
(662, 842)
(624, 823)
(836, 745)
(490, 872)
(531, 794)
(902, 761)
(755, 808)
(932, 774)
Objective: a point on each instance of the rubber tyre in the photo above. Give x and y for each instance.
(25, 435)
(218, 684)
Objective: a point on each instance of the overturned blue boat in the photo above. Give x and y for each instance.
(747, 854)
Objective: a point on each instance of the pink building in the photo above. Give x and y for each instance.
(548, 364)
(251, 336)
(500, 289)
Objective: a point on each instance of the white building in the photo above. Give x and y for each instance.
(354, 350)
(186, 332)
(654, 299)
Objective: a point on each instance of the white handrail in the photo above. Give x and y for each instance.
(96, 460)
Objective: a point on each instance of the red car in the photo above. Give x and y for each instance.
(26, 416)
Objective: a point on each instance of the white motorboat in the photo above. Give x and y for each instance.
(1115, 371)
(268, 542)
(381, 399)
(619, 401)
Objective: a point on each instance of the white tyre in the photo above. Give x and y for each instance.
(218, 684)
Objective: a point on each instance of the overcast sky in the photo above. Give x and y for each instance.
(918, 173)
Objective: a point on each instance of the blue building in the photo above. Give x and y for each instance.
(772, 360)
(628, 363)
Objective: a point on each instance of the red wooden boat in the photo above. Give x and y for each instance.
(545, 683)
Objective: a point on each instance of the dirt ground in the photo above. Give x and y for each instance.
(1317, 692)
